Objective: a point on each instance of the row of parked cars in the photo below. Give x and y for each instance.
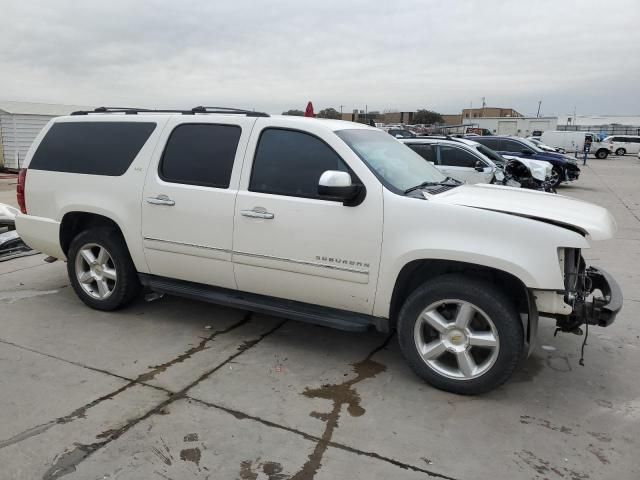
(504, 160)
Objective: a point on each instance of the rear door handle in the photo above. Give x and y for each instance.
(160, 200)
(257, 212)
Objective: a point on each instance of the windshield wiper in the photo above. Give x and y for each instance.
(448, 181)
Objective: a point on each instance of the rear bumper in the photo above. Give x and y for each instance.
(41, 234)
(600, 311)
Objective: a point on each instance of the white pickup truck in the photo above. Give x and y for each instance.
(322, 221)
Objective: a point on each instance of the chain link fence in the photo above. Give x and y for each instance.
(603, 129)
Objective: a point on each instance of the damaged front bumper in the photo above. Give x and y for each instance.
(572, 172)
(598, 310)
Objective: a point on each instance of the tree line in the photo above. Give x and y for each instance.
(422, 116)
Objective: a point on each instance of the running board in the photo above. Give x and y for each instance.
(304, 312)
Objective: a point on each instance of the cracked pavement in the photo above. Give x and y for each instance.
(177, 389)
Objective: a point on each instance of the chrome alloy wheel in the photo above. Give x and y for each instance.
(456, 339)
(96, 271)
(555, 177)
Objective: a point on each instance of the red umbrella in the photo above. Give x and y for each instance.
(309, 111)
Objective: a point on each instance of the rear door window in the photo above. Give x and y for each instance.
(93, 148)
(508, 145)
(426, 151)
(456, 157)
(200, 154)
(492, 143)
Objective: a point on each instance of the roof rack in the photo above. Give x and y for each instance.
(248, 113)
(193, 111)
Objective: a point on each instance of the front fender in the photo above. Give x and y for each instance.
(522, 247)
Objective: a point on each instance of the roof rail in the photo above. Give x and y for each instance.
(248, 113)
(193, 111)
(130, 111)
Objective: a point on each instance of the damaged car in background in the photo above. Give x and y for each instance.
(564, 167)
(471, 162)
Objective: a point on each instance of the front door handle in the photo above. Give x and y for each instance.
(160, 200)
(257, 212)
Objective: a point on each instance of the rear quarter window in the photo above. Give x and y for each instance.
(93, 148)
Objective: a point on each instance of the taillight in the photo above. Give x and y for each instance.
(22, 179)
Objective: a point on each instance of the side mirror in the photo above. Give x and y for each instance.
(479, 167)
(336, 184)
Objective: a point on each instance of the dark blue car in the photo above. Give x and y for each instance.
(565, 168)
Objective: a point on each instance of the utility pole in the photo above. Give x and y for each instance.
(483, 105)
(341, 109)
(539, 103)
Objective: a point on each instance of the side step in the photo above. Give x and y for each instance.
(304, 312)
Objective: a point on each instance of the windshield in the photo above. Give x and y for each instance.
(492, 154)
(531, 145)
(395, 164)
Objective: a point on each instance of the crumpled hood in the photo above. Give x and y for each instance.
(539, 169)
(592, 219)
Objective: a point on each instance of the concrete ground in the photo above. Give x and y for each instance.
(178, 389)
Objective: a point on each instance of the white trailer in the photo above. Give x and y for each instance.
(20, 123)
(574, 142)
(517, 126)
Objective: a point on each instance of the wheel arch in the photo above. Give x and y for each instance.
(75, 222)
(416, 272)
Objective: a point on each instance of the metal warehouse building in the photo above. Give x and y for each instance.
(20, 122)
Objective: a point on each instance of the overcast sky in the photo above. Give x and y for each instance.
(278, 54)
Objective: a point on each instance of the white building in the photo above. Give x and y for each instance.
(599, 120)
(20, 122)
(518, 126)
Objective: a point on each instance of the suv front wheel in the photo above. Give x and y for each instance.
(101, 270)
(460, 334)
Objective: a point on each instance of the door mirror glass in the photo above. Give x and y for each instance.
(479, 167)
(337, 184)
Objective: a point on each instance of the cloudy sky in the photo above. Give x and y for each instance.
(278, 54)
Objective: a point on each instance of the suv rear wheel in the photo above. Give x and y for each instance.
(100, 269)
(460, 334)
(620, 152)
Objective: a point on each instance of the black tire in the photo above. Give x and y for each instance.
(621, 152)
(492, 302)
(602, 154)
(559, 172)
(125, 288)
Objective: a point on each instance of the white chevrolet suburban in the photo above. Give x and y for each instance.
(323, 221)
